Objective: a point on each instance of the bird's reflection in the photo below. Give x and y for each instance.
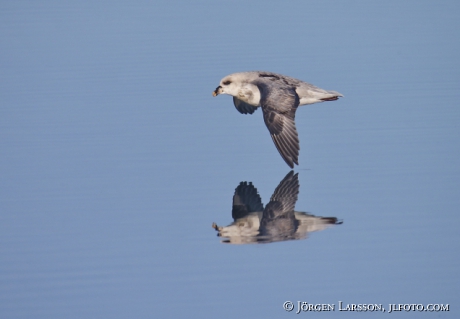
(278, 221)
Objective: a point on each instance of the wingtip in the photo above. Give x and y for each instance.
(290, 162)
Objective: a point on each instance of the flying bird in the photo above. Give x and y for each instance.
(278, 96)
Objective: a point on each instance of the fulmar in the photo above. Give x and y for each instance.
(278, 96)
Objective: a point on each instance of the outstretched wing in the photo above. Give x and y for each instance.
(246, 200)
(284, 197)
(279, 105)
(243, 107)
(278, 219)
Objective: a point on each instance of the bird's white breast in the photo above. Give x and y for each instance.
(249, 94)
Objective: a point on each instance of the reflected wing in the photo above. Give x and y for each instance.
(278, 219)
(284, 197)
(243, 107)
(279, 106)
(246, 200)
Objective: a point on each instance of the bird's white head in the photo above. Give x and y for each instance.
(230, 85)
(240, 86)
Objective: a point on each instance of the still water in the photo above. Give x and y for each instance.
(116, 160)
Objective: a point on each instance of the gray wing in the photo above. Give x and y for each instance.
(246, 200)
(278, 219)
(284, 197)
(279, 105)
(243, 107)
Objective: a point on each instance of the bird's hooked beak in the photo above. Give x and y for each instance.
(217, 91)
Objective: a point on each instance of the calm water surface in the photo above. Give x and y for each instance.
(116, 159)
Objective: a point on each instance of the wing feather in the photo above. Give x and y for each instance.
(279, 105)
(243, 107)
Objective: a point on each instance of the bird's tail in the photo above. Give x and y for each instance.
(332, 96)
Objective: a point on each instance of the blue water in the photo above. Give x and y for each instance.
(116, 159)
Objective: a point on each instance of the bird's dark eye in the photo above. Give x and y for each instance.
(227, 82)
